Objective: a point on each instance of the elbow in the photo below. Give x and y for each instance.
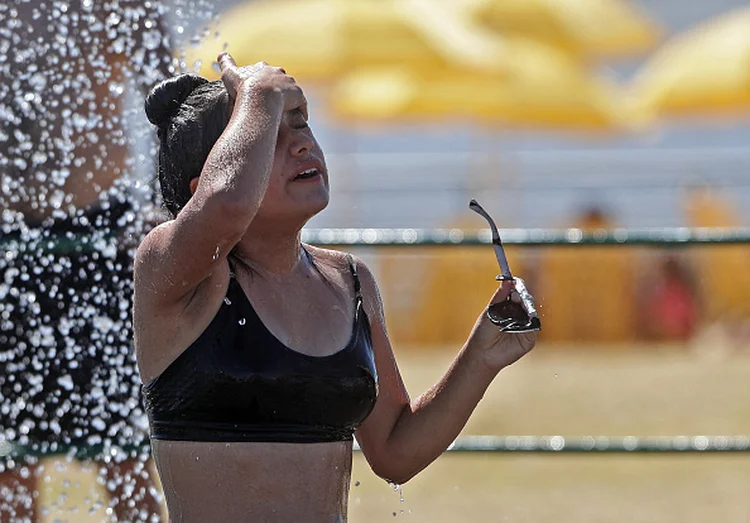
(395, 471)
(395, 477)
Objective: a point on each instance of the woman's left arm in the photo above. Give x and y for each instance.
(402, 436)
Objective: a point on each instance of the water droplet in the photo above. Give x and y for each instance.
(242, 321)
(66, 121)
(227, 301)
(65, 382)
(216, 254)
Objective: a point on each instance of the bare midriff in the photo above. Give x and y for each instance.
(254, 482)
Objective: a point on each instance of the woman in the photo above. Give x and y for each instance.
(240, 327)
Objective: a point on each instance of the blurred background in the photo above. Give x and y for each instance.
(553, 114)
(593, 115)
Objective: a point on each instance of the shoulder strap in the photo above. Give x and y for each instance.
(355, 276)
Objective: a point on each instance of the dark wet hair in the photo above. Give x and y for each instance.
(190, 113)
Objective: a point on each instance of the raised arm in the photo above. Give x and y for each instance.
(179, 254)
(402, 436)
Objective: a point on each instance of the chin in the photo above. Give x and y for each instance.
(316, 201)
(302, 212)
(317, 206)
(294, 210)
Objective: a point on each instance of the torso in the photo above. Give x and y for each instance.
(253, 481)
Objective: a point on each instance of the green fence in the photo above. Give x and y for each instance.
(555, 444)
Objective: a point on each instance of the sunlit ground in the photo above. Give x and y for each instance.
(555, 390)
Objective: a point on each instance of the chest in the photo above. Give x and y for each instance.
(313, 318)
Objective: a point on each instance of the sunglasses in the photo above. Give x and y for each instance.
(509, 315)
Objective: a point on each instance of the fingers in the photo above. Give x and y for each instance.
(502, 292)
(226, 61)
(295, 99)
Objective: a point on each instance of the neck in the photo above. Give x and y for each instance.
(271, 254)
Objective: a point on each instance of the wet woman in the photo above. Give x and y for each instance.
(261, 356)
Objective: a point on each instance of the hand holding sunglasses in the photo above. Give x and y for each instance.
(517, 313)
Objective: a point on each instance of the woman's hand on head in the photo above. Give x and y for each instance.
(260, 77)
(499, 349)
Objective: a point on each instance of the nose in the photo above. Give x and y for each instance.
(302, 144)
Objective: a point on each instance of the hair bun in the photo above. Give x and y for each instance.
(167, 97)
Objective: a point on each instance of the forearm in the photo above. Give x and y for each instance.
(432, 421)
(239, 166)
(401, 437)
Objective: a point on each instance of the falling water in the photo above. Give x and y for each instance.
(397, 488)
(77, 166)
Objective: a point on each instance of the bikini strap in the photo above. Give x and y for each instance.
(355, 276)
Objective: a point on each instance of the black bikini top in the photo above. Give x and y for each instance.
(238, 382)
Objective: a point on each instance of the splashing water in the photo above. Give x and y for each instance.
(397, 488)
(76, 195)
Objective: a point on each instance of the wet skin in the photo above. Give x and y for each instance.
(248, 207)
(310, 310)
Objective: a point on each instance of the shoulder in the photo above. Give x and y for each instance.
(343, 262)
(152, 246)
(329, 258)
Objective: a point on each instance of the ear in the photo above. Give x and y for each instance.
(193, 185)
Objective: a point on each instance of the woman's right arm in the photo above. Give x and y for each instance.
(178, 255)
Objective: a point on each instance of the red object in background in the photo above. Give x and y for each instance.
(672, 307)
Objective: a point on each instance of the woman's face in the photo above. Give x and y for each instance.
(298, 187)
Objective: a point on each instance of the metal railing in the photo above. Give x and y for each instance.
(556, 444)
(668, 236)
(381, 237)
(365, 237)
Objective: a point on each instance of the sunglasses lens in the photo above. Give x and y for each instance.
(510, 316)
(507, 310)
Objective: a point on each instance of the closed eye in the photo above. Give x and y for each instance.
(298, 119)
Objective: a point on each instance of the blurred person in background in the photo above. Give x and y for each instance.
(67, 371)
(263, 357)
(671, 304)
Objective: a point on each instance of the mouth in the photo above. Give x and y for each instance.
(308, 174)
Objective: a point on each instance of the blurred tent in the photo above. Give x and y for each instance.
(433, 295)
(587, 295)
(723, 270)
(705, 70)
(532, 84)
(543, 90)
(586, 28)
(318, 39)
